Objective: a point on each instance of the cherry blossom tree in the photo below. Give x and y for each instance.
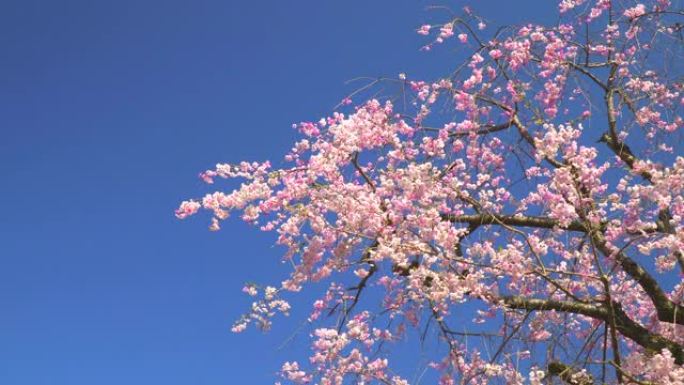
(526, 210)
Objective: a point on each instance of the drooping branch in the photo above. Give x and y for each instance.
(362, 284)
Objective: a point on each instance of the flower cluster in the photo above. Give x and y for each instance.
(263, 310)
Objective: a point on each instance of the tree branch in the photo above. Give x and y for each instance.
(513, 220)
(667, 310)
(569, 374)
(626, 326)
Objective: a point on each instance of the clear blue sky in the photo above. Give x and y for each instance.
(108, 111)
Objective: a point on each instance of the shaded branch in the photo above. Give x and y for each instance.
(569, 374)
(513, 220)
(626, 326)
(667, 310)
(624, 153)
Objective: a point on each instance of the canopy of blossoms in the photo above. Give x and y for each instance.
(537, 193)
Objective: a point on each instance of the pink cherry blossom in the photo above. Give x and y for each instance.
(424, 29)
(187, 208)
(634, 12)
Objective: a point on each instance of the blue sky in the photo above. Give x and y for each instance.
(108, 111)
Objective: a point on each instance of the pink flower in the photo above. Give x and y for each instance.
(187, 208)
(239, 327)
(446, 31)
(250, 290)
(495, 54)
(424, 29)
(634, 12)
(462, 37)
(566, 5)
